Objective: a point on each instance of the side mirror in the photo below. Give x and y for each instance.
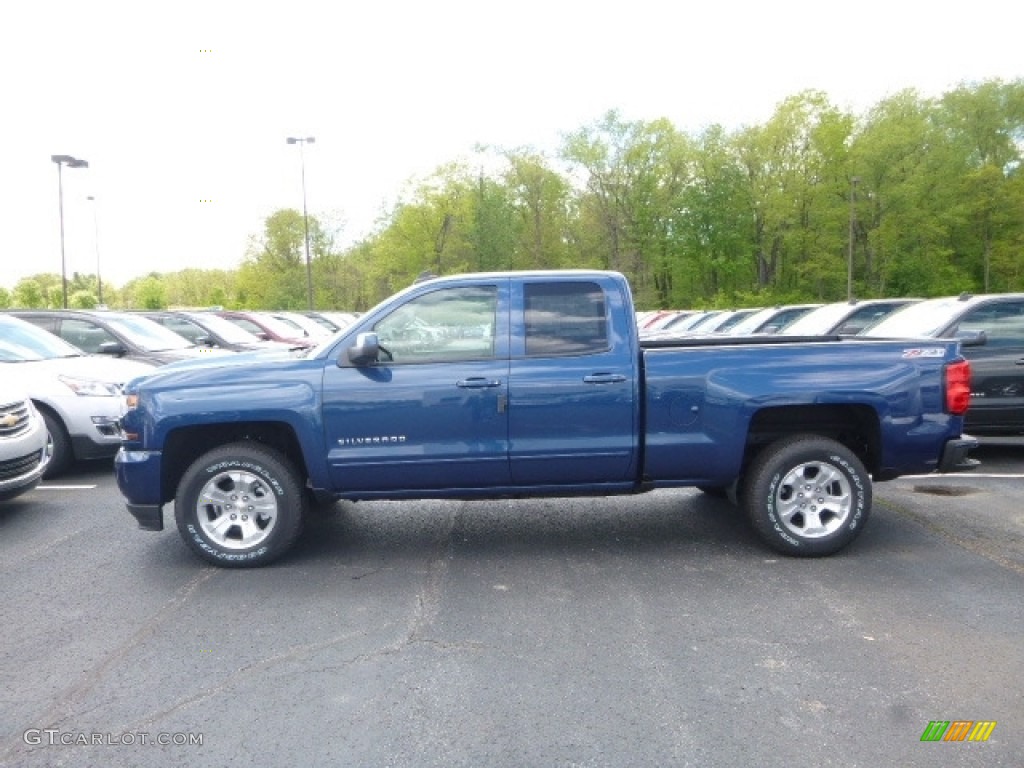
(972, 338)
(365, 350)
(112, 348)
(204, 341)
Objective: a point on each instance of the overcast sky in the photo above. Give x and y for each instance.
(183, 112)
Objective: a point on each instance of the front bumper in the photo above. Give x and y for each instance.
(21, 474)
(954, 455)
(149, 516)
(138, 478)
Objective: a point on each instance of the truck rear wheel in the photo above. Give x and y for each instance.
(807, 495)
(240, 505)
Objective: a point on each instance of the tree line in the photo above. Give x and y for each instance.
(916, 197)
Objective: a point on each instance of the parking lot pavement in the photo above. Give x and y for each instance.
(651, 630)
(980, 511)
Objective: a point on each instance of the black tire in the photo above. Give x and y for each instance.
(58, 445)
(240, 505)
(829, 517)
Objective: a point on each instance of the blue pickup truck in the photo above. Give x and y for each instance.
(535, 384)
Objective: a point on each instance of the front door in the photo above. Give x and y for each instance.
(997, 367)
(431, 414)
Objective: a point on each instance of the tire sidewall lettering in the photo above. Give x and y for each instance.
(203, 544)
(773, 515)
(222, 466)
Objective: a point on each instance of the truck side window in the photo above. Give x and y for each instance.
(565, 318)
(1003, 323)
(443, 325)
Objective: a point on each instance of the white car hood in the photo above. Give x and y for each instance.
(32, 373)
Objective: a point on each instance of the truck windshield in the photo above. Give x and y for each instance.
(925, 318)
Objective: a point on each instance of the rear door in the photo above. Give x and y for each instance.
(572, 386)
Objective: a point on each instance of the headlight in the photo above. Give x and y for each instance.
(91, 387)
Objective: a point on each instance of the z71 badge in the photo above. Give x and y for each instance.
(924, 352)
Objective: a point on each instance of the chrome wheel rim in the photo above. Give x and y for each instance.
(237, 510)
(814, 500)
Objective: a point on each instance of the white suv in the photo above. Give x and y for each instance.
(23, 453)
(78, 396)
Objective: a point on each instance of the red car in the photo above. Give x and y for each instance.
(267, 327)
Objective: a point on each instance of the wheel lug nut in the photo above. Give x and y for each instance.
(234, 517)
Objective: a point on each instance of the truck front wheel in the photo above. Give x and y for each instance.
(240, 505)
(807, 495)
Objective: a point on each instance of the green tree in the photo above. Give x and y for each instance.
(985, 122)
(82, 300)
(28, 293)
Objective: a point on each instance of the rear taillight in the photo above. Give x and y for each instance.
(958, 387)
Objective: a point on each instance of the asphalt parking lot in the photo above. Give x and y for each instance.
(645, 631)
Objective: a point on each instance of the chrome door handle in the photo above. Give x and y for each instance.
(604, 378)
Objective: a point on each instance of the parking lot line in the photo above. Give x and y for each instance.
(65, 487)
(965, 476)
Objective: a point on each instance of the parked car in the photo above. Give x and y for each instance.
(205, 329)
(118, 334)
(770, 320)
(844, 318)
(726, 321)
(307, 325)
(332, 321)
(677, 323)
(266, 327)
(77, 395)
(23, 443)
(990, 328)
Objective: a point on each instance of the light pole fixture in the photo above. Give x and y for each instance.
(96, 243)
(305, 217)
(70, 162)
(849, 253)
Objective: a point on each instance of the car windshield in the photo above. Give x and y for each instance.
(21, 341)
(278, 327)
(819, 321)
(147, 334)
(227, 330)
(755, 321)
(302, 326)
(734, 319)
(925, 318)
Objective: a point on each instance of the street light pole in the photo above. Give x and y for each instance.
(305, 217)
(96, 243)
(70, 162)
(849, 254)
